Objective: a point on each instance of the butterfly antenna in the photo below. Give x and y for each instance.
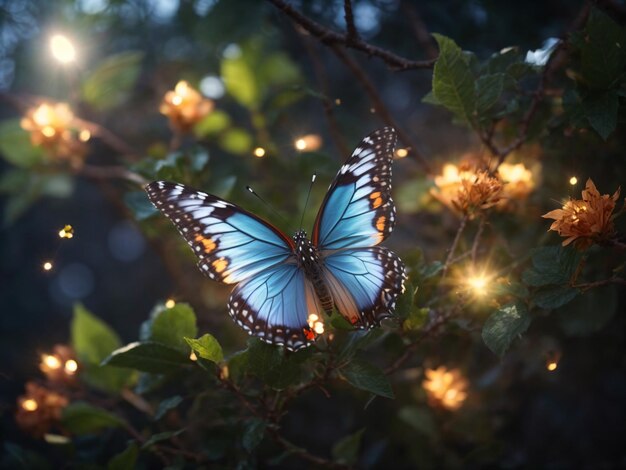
(308, 195)
(267, 204)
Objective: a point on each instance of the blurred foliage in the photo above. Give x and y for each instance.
(491, 297)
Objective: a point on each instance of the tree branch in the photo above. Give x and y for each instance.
(379, 105)
(353, 34)
(330, 38)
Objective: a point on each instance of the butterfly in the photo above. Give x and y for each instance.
(282, 285)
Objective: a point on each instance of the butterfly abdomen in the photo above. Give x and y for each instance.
(308, 259)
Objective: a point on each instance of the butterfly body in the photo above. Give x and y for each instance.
(283, 285)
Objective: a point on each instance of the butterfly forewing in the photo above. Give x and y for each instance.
(358, 209)
(231, 243)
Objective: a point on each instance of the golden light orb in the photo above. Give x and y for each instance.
(573, 180)
(30, 405)
(552, 365)
(84, 135)
(259, 152)
(62, 49)
(71, 366)
(402, 152)
(478, 284)
(170, 303)
(52, 362)
(47, 266)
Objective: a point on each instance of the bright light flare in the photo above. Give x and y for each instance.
(259, 152)
(573, 181)
(51, 362)
(478, 284)
(309, 142)
(552, 365)
(445, 387)
(193, 356)
(66, 232)
(71, 366)
(170, 303)
(62, 49)
(315, 323)
(402, 153)
(30, 405)
(47, 266)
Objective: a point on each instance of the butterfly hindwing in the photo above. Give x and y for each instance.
(275, 306)
(365, 283)
(358, 209)
(231, 243)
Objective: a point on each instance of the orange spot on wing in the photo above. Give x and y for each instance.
(377, 202)
(309, 333)
(208, 244)
(380, 223)
(219, 265)
(375, 195)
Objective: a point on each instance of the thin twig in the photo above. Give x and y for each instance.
(423, 36)
(327, 102)
(353, 34)
(479, 232)
(379, 105)
(303, 453)
(330, 38)
(453, 247)
(111, 172)
(604, 282)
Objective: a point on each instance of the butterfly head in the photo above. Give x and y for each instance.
(299, 236)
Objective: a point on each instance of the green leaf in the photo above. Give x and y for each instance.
(171, 326)
(404, 305)
(360, 340)
(601, 111)
(93, 340)
(148, 357)
(365, 376)
(83, 418)
(552, 265)
(431, 270)
(603, 54)
(237, 141)
(420, 418)
(453, 83)
(488, 91)
(160, 437)
(504, 325)
(253, 433)
(214, 123)
(15, 145)
(278, 69)
(273, 365)
(126, 459)
(346, 451)
(429, 98)
(505, 287)
(240, 81)
(207, 347)
(237, 365)
(590, 313)
(416, 319)
(140, 205)
(550, 297)
(110, 84)
(167, 405)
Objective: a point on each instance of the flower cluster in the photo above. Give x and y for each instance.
(54, 128)
(446, 388)
(469, 190)
(39, 409)
(585, 221)
(184, 107)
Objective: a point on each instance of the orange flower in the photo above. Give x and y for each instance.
(52, 127)
(447, 388)
(184, 107)
(39, 409)
(466, 190)
(585, 221)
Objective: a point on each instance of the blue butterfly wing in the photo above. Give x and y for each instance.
(275, 306)
(358, 209)
(231, 243)
(364, 283)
